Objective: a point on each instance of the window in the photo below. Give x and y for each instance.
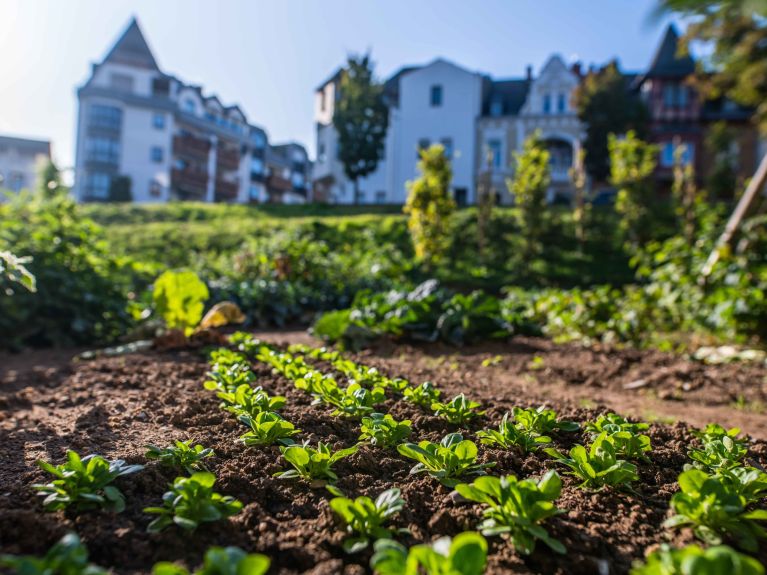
(675, 95)
(547, 103)
(156, 154)
(189, 106)
(105, 150)
(380, 197)
(155, 189)
(436, 96)
(494, 151)
(161, 87)
(101, 116)
(255, 193)
(121, 82)
(297, 179)
(423, 144)
(667, 154)
(460, 195)
(322, 100)
(258, 139)
(496, 108)
(158, 121)
(97, 185)
(561, 103)
(256, 166)
(321, 156)
(447, 143)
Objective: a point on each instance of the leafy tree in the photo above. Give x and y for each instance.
(632, 162)
(430, 205)
(120, 189)
(50, 180)
(361, 119)
(722, 178)
(581, 208)
(528, 187)
(686, 196)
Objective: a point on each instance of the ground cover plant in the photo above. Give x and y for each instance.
(267, 428)
(181, 455)
(382, 430)
(363, 517)
(313, 463)
(510, 435)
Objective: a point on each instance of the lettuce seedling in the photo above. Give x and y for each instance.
(718, 455)
(227, 378)
(225, 357)
(693, 560)
(66, 557)
(220, 561)
(465, 554)
(447, 461)
(598, 466)
(516, 509)
(509, 435)
(715, 431)
(714, 509)
(423, 395)
(748, 482)
(84, 483)
(458, 410)
(541, 420)
(179, 298)
(363, 518)
(246, 343)
(191, 501)
(267, 428)
(625, 436)
(313, 464)
(249, 400)
(181, 456)
(382, 430)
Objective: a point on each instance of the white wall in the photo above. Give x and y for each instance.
(138, 137)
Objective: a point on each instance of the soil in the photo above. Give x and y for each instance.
(114, 406)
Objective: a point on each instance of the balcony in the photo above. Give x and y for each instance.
(194, 181)
(226, 191)
(228, 159)
(197, 148)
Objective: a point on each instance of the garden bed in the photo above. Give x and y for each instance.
(115, 406)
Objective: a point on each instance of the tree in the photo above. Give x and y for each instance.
(685, 193)
(632, 163)
(722, 177)
(120, 189)
(361, 119)
(607, 106)
(581, 209)
(485, 205)
(528, 187)
(430, 205)
(50, 180)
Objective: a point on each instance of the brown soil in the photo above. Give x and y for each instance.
(115, 406)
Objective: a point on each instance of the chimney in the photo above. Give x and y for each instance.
(529, 72)
(576, 69)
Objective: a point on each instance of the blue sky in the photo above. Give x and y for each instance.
(269, 55)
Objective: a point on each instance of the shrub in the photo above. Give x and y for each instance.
(182, 455)
(382, 430)
(67, 557)
(447, 461)
(220, 561)
(598, 466)
(363, 518)
(314, 464)
(465, 554)
(509, 435)
(458, 410)
(692, 560)
(267, 428)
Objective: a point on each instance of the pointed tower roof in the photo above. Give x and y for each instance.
(131, 49)
(666, 61)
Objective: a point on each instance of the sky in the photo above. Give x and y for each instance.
(268, 56)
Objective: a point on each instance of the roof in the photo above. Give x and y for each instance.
(667, 62)
(511, 93)
(131, 49)
(725, 109)
(391, 86)
(26, 144)
(334, 77)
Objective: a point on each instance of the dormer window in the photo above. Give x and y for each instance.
(561, 103)
(496, 108)
(547, 103)
(121, 82)
(189, 106)
(675, 96)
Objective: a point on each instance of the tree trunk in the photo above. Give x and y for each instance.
(356, 191)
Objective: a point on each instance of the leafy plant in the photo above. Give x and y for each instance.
(516, 508)
(382, 430)
(85, 483)
(748, 482)
(693, 560)
(718, 454)
(458, 410)
(598, 466)
(714, 509)
(447, 461)
(714, 432)
(14, 269)
(220, 561)
(249, 400)
(267, 428)
(66, 557)
(354, 401)
(191, 501)
(363, 518)
(541, 420)
(227, 377)
(509, 435)
(179, 298)
(625, 436)
(314, 464)
(181, 455)
(465, 554)
(423, 395)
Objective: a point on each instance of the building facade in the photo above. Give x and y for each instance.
(148, 136)
(21, 160)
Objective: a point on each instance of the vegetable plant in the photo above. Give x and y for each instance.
(267, 428)
(423, 395)
(509, 435)
(693, 560)
(181, 455)
(191, 501)
(179, 298)
(598, 466)
(516, 508)
(748, 482)
(228, 377)
(714, 509)
(354, 401)
(447, 461)
(541, 420)
(313, 464)
(458, 410)
(220, 561)
(66, 557)
(715, 431)
(718, 454)
(363, 518)
(85, 483)
(625, 436)
(382, 430)
(249, 400)
(465, 554)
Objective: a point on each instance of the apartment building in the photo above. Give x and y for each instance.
(162, 138)
(21, 160)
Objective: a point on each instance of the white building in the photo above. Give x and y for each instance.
(162, 138)
(472, 115)
(21, 160)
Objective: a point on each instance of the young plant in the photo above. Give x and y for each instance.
(598, 466)
(67, 557)
(465, 554)
(313, 464)
(228, 377)
(382, 430)
(181, 456)
(693, 560)
(354, 401)
(713, 509)
(220, 561)
(447, 461)
(714, 431)
(363, 518)
(626, 437)
(516, 509)
(748, 482)
(85, 483)
(541, 420)
(423, 395)
(509, 435)
(458, 410)
(191, 501)
(249, 400)
(718, 454)
(179, 298)
(267, 428)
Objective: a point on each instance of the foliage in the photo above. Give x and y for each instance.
(179, 298)
(722, 179)
(465, 554)
(458, 410)
(625, 436)
(354, 401)
(718, 454)
(85, 483)
(447, 461)
(220, 561)
(511, 435)
(693, 560)
(192, 501)
(423, 395)
(267, 428)
(250, 400)
(382, 430)
(120, 189)
(363, 518)
(13, 269)
(516, 508)
(541, 420)
(315, 464)
(67, 557)
(181, 455)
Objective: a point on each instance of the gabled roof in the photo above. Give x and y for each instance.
(510, 93)
(131, 49)
(666, 62)
(391, 86)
